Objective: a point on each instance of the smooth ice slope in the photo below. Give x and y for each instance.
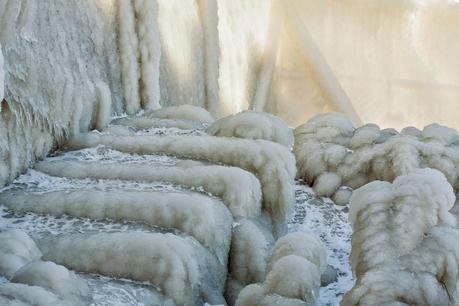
(204, 218)
(253, 125)
(404, 230)
(182, 269)
(272, 163)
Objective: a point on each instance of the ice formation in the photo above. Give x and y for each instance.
(253, 125)
(16, 250)
(206, 219)
(182, 112)
(128, 43)
(272, 163)
(2, 77)
(12, 294)
(44, 282)
(181, 268)
(331, 153)
(57, 279)
(297, 255)
(239, 189)
(149, 49)
(150, 58)
(140, 122)
(403, 235)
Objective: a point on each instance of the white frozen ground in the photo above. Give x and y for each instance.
(317, 216)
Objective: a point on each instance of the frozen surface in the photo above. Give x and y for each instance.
(328, 222)
(317, 216)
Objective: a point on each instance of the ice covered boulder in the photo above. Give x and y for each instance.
(253, 125)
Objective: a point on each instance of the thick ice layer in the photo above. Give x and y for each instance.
(140, 123)
(107, 155)
(57, 279)
(331, 152)
(181, 268)
(405, 230)
(238, 189)
(182, 112)
(204, 218)
(16, 250)
(272, 163)
(253, 125)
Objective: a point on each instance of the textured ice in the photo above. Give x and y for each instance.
(327, 222)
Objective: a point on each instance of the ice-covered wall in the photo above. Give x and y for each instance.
(60, 57)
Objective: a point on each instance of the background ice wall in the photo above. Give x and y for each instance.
(392, 63)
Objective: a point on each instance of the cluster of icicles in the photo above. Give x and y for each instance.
(233, 247)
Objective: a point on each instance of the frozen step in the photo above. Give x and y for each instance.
(239, 189)
(140, 123)
(106, 154)
(273, 163)
(206, 219)
(180, 267)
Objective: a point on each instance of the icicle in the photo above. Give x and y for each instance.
(2, 78)
(150, 52)
(209, 17)
(128, 43)
(104, 105)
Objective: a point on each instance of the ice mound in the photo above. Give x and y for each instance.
(293, 274)
(16, 250)
(253, 125)
(405, 242)
(331, 153)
